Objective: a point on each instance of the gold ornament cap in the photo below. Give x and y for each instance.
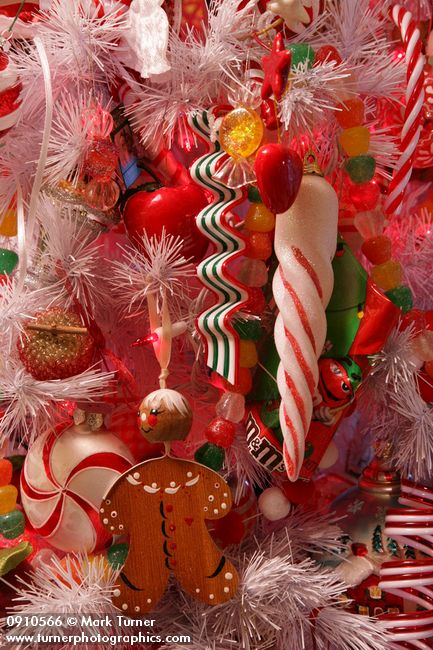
(311, 165)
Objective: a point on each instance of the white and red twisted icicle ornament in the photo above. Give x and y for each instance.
(10, 94)
(412, 125)
(412, 580)
(305, 243)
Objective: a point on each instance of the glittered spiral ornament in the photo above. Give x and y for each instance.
(411, 130)
(411, 579)
(214, 324)
(305, 243)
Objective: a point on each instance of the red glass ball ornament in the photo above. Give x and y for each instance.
(220, 432)
(171, 208)
(279, 173)
(327, 54)
(364, 196)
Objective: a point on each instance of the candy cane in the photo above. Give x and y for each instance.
(221, 340)
(305, 243)
(413, 111)
(411, 580)
(10, 94)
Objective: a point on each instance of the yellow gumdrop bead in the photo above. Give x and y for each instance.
(247, 354)
(8, 498)
(355, 141)
(241, 132)
(259, 218)
(387, 275)
(8, 223)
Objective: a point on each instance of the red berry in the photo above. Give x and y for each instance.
(220, 432)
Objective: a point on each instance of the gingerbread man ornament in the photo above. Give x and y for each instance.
(163, 505)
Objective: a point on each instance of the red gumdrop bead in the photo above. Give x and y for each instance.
(6, 470)
(259, 246)
(243, 385)
(327, 54)
(220, 432)
(350, 113)
(414, 318)
(377, 249)
(364, 196)
(256, 302)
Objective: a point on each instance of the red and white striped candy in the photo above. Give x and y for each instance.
(411, 580)
(413, 110)
(10, 95)
(63, 481)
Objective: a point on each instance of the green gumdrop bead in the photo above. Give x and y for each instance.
(8, 261)
(270, 416)
(254, 194)
(12, 524)
(17, 462)
(10, 558)
(117, 554)
(361, 169)
(301, 53)
(248, 330)
(402, 297)
(210, 455)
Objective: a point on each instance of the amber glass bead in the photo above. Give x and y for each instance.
(247, 354)
(259, 246)
(8, 222)
(350, 113)
(259, 218)
(355, 141)
(377, 249)
(387, 275)
(241, 132)
(8, 498)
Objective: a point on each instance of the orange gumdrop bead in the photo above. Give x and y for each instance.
(247, 354)
(8, 498)
(259, 218)
(259, 246)
(243, 384)
(8, 222)
(377, 249)
(6, 470)
(350, 113)
(387, 275)
(355, 141)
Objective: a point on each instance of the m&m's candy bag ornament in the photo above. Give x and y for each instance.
(240, 135)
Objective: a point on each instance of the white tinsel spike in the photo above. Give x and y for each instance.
(335, 627)
(307, 532)
(18, 305)
(68, 250)
(30, 405)
(240, 463)
(412, 237)
(202, 67)
(160, 268)
(69, 140)
(79, 587)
